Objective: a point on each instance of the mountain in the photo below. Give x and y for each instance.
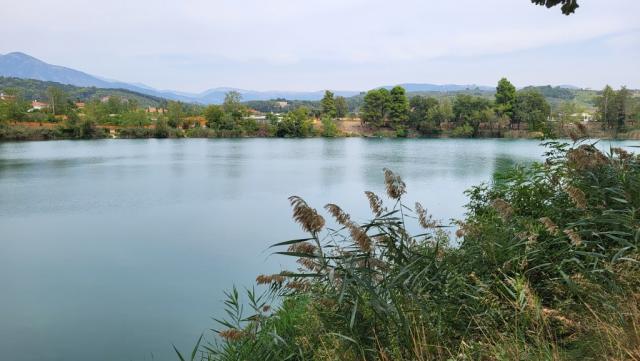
(21, 65)
(417, 88)
(32, 89)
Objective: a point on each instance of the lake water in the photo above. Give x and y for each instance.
(114, 250)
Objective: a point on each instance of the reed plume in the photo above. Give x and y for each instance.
(375, 203)
(394, 184)
(341, 217)
(577, 196)
(307, 217)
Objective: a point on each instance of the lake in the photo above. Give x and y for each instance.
(117, 249)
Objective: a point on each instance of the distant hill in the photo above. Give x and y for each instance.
(23, 66)
(32, 89)
(420, 88)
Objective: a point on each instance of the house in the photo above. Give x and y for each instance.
(584, 117)
(155, 110)
(282, 104)
(4, 96)
(36, 105)
(80, 105)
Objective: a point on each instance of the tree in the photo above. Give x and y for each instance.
(13, 107)
(214, 116)
(328, 105)
(466, 107)
(341, 107)
(295, 124)
(398, 106)
(58, 100)
(505, 97)
(232, 105)
(174, 113)
(607, 106)
(568, 6)
(421, 109)
(622, 106)
(329, 127)
(375, 107)
(531, 107)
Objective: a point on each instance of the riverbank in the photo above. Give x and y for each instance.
(35, 131)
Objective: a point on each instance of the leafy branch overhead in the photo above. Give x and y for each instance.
(568, 6)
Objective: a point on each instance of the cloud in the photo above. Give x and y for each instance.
(189, 44)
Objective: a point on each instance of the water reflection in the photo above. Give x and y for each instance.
(126, 246)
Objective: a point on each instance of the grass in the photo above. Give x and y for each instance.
(544, 266)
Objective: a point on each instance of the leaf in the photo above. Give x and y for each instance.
(293, 241)
(195, 348)
(178, 352)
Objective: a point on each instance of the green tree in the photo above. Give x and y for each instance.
(505, 97)
(568, 6)
(622, 106)
(58, 100)
(466, 107)
(342, 109)
(329, 127)
(607, 106)
(214, 116)
(375, 107)
(328, 105)
(13, 107)
(422, 109)
(295, 123)
(531, 107)
(232, 105)
(175, 113)
(398, 106)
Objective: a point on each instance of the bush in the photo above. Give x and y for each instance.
(136, 132)
(545, 266)
(462, 131)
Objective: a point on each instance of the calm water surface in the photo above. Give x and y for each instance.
(113, 250)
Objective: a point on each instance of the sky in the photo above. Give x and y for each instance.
(303, 45)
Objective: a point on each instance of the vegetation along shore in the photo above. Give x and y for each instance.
(37, 110)
(543, 267)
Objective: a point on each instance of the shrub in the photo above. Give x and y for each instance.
(545, 266)
(462, 131)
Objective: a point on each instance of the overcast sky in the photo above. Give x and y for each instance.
(193, 45)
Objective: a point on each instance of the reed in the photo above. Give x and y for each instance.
(544, 267)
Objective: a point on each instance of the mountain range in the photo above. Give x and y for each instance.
(21, 65)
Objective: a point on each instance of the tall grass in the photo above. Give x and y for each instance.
(545, 266)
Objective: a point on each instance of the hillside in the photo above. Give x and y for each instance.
(36, 90)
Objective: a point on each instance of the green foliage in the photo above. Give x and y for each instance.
(295, 124)
(342, 108)
(463, 131)
(328, 105)
(175, 114)
(505, 97)
(545, 267)
(398, 107)
(13, 107)
(329, 127)
(162, 129)
(376, 106)
(613, 107)
(532, 108)
(467, 107)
